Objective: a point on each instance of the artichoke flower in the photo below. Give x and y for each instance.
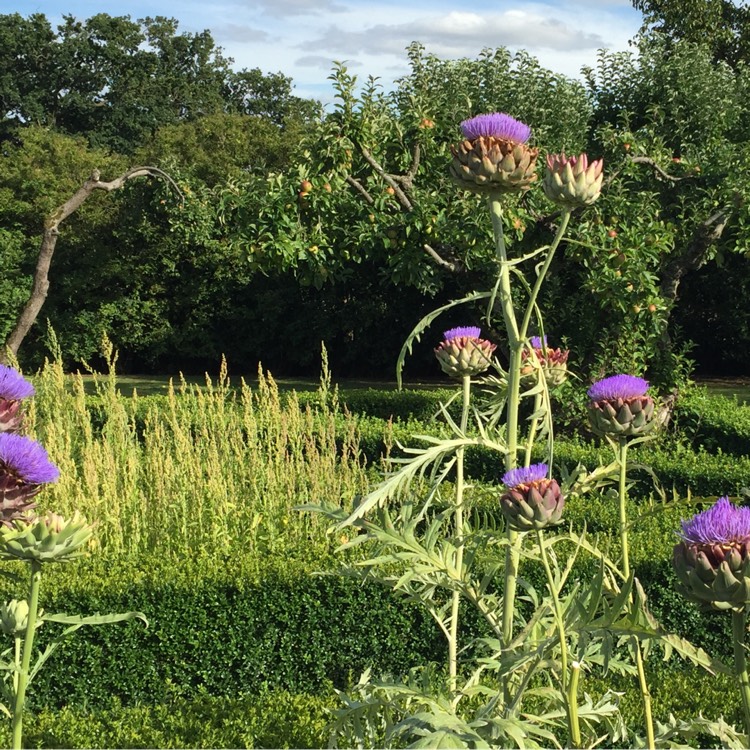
(553, 363)
(493, 157)
(619, 407)
(531, 500)
(712, 558)
(13, 389)
(462, 352)
(572, 181)
(24, 470)
(49, 538)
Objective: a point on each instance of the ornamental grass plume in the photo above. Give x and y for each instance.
(463, 353)
(572, 181)
(13, 389)
(24, 469)
(712, 558)
(619, 407)
(552, 362)
(531, 500)
(494, 157)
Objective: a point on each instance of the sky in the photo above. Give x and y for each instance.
(302, 38)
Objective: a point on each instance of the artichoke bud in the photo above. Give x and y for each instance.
(716, 576)
(572, 181)
(463, 353)
(551, 363)
(622, 417)
(490, 165)
(531, 501)
(49, 538)
(14, 617)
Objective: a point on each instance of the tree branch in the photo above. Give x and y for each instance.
(452, 267)
(400, 194)
(659, 171)
(40, 284)
(360, 188)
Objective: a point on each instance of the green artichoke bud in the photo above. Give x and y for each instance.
(572, 181)
(462, 352)
(14, 617)
(552, 363)
(619, 407)
(49, 538)
(494, 157)
(712, 560)
(531, 501)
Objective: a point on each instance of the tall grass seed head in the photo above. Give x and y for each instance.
(620, 407)
(24, 469)
(463, 353)
(712, 558)
(531, 500)
(572, 181)
(494, 157)
(13, 389)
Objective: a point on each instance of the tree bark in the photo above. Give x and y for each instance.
(40, 285)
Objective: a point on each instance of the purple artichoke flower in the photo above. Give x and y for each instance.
(472, 332)
(13, 389)
(493, 158)
(538, 343)
(619, 407)
(712, 558)
(495, 125)
(531, 501)
(24, 469)
(463, 353)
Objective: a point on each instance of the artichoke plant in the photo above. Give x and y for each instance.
(463, 353)
(619, 407)
(493, 157)
(49, 538)
(553, 363)
(24, 470)
(13, 389)
(572, 181)
(531, 500)
(712, 558)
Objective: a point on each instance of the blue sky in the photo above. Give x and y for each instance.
(301, 38)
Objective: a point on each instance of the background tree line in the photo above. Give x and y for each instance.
(293, 226)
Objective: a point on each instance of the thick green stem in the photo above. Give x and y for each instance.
(622, 457)
(575, 671)
(623, 496)
(523, 332)
(532, 429)
(740, 666)
(28, 647)
(574, 731)
(459, 524)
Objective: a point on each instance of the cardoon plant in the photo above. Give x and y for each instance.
(25, 469)
(712, 562)
(14, 388)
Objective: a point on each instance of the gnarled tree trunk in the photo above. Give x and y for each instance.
(40, 285)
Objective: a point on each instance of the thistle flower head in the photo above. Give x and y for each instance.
(618, 387)
(572, 181)
(538, 342)
(723, 523)
(26, 460)
(13, 385)
(495, 125)
(471, 332)
(525, 475)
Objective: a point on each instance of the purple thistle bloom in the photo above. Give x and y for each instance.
(536, 342)
(13, 385)
(24, 458)
(618, 386)
(720, 524)
(471, 332)
(525, 475)
(496, 125)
